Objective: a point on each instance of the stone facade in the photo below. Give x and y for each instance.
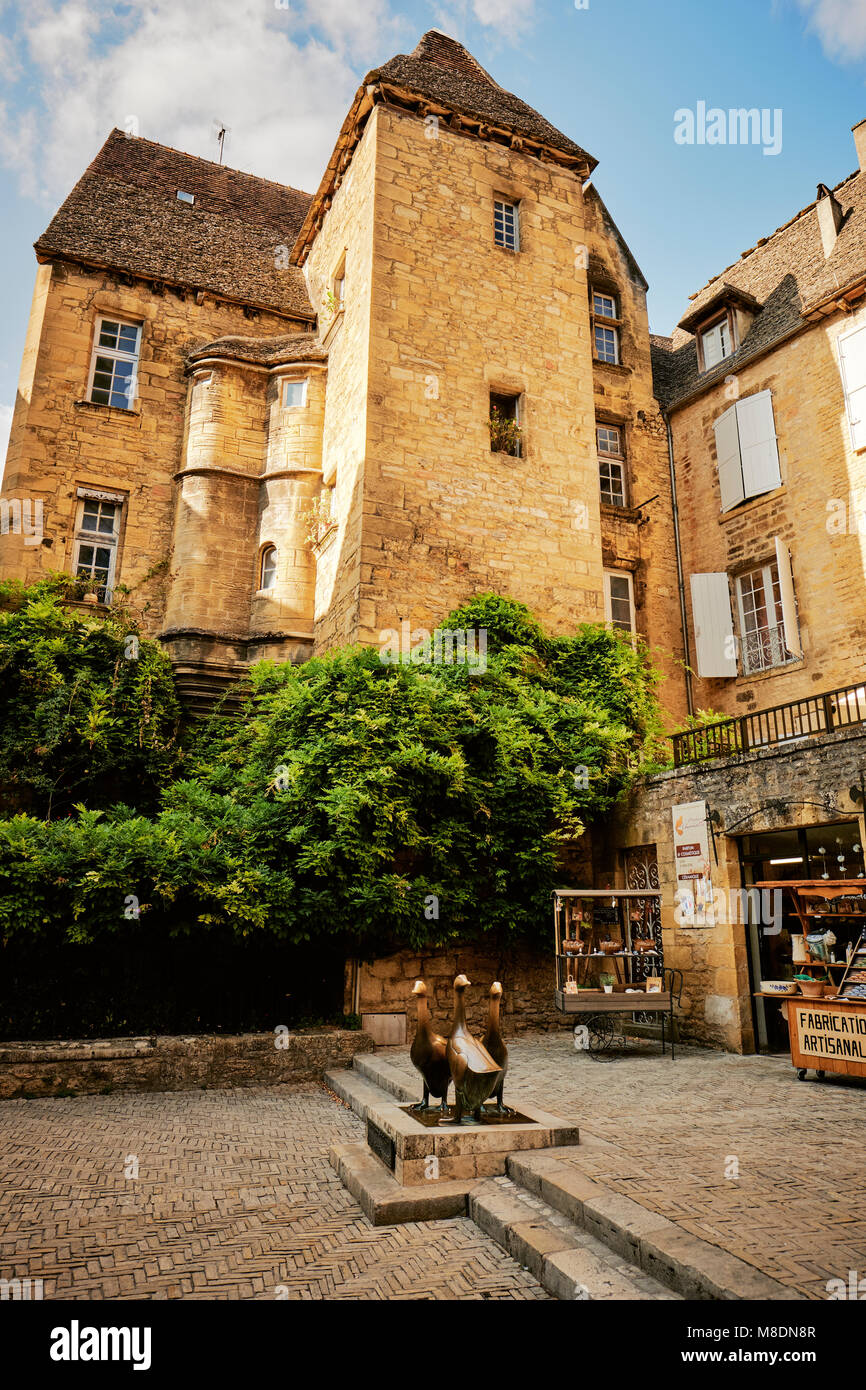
(768, 789)
(815, 511)
(419, 316)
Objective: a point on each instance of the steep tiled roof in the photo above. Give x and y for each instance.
(266, 352)
(442, 74)
(787, 274)
(441, 69)
(124, 214)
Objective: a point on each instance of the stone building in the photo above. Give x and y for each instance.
(286, 422)
(268, 414)
(764, 386)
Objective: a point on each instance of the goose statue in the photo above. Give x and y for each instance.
(428, 1053)
(495, 1044)
(473, 1070)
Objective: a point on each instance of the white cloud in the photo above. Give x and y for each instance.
(281, 90)
(279, 73)
(840, 25)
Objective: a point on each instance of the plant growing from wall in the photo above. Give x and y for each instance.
(505, 433)
(317, 518)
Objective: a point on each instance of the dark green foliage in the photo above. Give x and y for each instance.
(362, 802)
(88, 710)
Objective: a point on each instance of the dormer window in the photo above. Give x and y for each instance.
(185, 197)
(720, 324)
(716, 343)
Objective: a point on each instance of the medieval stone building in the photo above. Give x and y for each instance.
(268, 414)
(286, 422)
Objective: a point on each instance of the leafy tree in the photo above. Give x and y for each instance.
(88, 708)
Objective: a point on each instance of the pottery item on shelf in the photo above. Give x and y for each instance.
(780, 987)
(798, 949)
(644, 944)
(572, 947)
(609, 948)
(812, 989)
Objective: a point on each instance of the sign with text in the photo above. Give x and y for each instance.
(692, 865)
(830, 1034)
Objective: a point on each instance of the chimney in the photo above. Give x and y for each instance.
(859, 131)
(830, 214)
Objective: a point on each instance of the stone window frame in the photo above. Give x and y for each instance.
(609, 574)
(84, 536)
(604, 323)
(501, 233)
(116, 355)
(502, 393)
(267, 551)
(288, 381)
(610, 459)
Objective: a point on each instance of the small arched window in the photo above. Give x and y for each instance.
(268, 574)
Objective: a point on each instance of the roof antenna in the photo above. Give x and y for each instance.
(221, 131)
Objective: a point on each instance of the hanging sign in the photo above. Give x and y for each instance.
(694, 889)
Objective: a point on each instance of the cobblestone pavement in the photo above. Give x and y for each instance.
(670, 1132)
(234, 1198)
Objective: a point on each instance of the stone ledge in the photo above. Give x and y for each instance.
(87, 1066)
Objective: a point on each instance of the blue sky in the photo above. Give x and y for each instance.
(281, 76)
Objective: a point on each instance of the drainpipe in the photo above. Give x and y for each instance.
(690, 704)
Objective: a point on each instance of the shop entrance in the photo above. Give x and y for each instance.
(814, 851)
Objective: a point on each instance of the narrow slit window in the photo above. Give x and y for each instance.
(506, 231)
(268, 573)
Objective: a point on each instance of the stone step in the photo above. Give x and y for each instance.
(391, 1076)
(567, 1262)
(690, 1267)
(358, 1093)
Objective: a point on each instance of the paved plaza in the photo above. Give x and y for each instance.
(229, 1194)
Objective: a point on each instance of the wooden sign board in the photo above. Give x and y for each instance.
(828, 1037)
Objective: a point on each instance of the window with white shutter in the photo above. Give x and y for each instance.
(715, 644)
(748, 455)
(728, 454)
(852, 361)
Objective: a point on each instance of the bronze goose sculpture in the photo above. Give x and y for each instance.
(428, 1054)
(473, 1070)
(495, 1044)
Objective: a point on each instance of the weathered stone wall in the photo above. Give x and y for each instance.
(455, 317)
(173, 1063)
(527, 977)
(639, 541)
(346, 238)
(770, 789)
(60, 441)
(817, 465)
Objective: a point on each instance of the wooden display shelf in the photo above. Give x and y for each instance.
(825, 1034)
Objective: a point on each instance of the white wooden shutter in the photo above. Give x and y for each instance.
(789, 603)
(852, 357)
(758, 449)
(715, 646)
(728, 453)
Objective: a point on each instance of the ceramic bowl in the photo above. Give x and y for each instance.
(779, 986)
(812, 989)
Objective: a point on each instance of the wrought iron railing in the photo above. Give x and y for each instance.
(815, 714)
(764, 649)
